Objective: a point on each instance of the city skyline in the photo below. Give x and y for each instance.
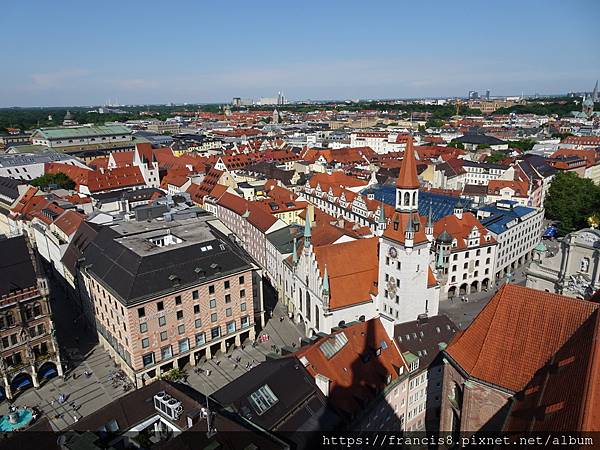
(211, 54)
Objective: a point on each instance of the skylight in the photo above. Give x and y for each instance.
(262, 399)
(333, 344)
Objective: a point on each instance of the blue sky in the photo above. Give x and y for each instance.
(85, 53)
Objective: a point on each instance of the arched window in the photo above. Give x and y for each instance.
(414, 198)
(308, 305)
(300, 302)
(584, 266)
(316, 317)
(10, 319)
(406, 199)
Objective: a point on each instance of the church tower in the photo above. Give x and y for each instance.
(407, 287)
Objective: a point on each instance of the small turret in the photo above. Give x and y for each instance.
(326, 288)
(307, 231)
(459, 209)
(429, 225)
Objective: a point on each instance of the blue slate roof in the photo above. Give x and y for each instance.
(442, 205)
(501, 216)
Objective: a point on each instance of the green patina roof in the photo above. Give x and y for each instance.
(409, 357)
(82, 132)
(27, 148)
(540, 247)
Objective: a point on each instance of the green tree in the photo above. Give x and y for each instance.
(456, 145)
(58, 179)
(523, 144)
(174, 375)
(495, 157)
(571, 200)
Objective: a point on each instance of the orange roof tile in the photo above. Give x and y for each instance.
(349, 284)
(360, 370)
(516, 334)
(407, 179)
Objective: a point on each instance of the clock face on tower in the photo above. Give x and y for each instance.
(392, 252)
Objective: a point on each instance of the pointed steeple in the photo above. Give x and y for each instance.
(307, 232)
(325, 282)
(407, 179)
(381, 216)
(430, 216)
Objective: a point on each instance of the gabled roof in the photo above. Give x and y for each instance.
(396, 228)
(69, 222)
(360, 369)
(460, 229)
(99, 180)
(422, 337)
(516, 334)
(564, 395)
(350, 284)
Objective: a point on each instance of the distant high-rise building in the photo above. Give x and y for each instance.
(595, 92)
(473, 95)
(236, 102)
(487, 94)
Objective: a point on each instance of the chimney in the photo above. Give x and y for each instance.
(311, 212)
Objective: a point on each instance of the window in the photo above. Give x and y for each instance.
(179, 315)
(226, 284)
(163, 335)
(178, 300)
(181, 329)
(160, 306)
(196, 309)
(145, 343)
(166, 352)
(184, 345)
(200, 339)
(141, 312)
(454, 257)
(231, 326)
(241, 279)
(195, 295)
(228, 312)
(262, 399)
(213, 303)
(197, 323)
(584, 266)
(211, 289)
(245, 322)
(143, 327)
(243, 307)
(242, 293)
(213, 317)
(227, 298)
(148, 359)
(162, 321)
(215, 332)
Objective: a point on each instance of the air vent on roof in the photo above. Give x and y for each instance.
(169, 406)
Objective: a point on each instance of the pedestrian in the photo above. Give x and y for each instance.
(52, 402)
(281, 319)
(75, 418)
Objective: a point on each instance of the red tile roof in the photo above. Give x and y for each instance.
(460, 229)
(516, 334)
(349, 284)
(69, 221)
(360, 370)
(520, 187)
(564, 395)
(99, 180)
(407, 179)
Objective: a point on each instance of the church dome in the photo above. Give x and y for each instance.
(68, 115)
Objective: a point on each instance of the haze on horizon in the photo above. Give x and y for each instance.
(65, 53)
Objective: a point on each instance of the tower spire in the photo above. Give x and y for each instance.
(307, 232)
(407, 179)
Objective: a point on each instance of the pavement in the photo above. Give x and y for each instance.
(463, 313)
(80, 350)
(210, 376)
